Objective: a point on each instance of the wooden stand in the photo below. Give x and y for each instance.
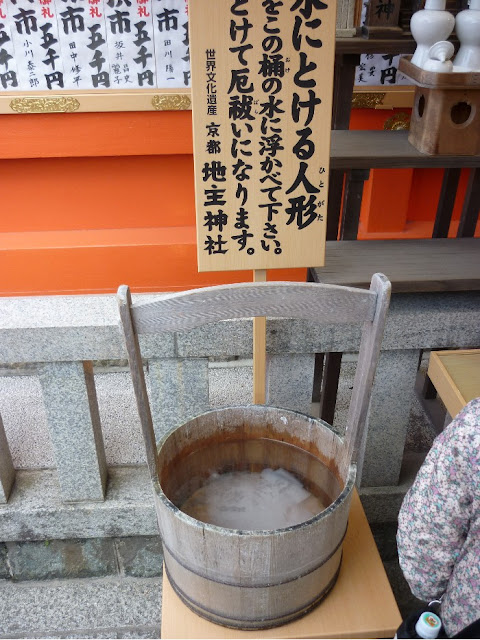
(446, 112)
(360, 605)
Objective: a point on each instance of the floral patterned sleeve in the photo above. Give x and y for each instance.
(438, 522)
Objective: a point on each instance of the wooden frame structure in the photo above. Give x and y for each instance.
(28, 102)
(95, 101)
(326, 304)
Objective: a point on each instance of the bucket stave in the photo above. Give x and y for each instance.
(252, 579)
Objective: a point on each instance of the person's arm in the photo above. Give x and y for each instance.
(434, 518)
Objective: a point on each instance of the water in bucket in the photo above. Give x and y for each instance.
(269, 499)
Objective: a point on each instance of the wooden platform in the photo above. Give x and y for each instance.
(386, 150)
(439, 264)
(361, 604)
(456, 377)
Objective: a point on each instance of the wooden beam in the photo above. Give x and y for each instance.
(471, 206)
(411, 265)
(446, 202)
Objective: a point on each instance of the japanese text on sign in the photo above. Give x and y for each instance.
(262, 83)
(49, 45)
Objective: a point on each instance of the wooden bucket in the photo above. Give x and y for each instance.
(253, 579)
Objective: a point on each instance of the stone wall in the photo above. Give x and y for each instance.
(137, 556)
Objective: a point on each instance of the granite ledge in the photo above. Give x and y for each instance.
(35, 510)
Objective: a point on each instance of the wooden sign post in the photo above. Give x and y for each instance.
(262, 81)
(259, 349)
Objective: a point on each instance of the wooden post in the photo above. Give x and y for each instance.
(259, 349)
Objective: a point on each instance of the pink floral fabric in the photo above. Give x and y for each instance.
(438, 534)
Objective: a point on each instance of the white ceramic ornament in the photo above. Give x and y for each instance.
(439, 57)
(428, 26)
(468, 32)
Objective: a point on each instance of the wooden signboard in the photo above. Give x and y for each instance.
(382, 18)
(262, 78)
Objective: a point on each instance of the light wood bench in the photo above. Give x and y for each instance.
(456, 377)
(360, 605)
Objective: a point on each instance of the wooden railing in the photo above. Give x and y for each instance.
(59, 337)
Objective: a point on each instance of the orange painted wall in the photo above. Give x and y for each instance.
(52, 194)
(90, 201)
(401, 203)
(96, 134)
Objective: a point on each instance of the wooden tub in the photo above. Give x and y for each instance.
(253, 579)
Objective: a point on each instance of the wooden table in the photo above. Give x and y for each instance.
(456, 377)
(360, 605)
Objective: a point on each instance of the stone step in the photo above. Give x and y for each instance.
(84, 608)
